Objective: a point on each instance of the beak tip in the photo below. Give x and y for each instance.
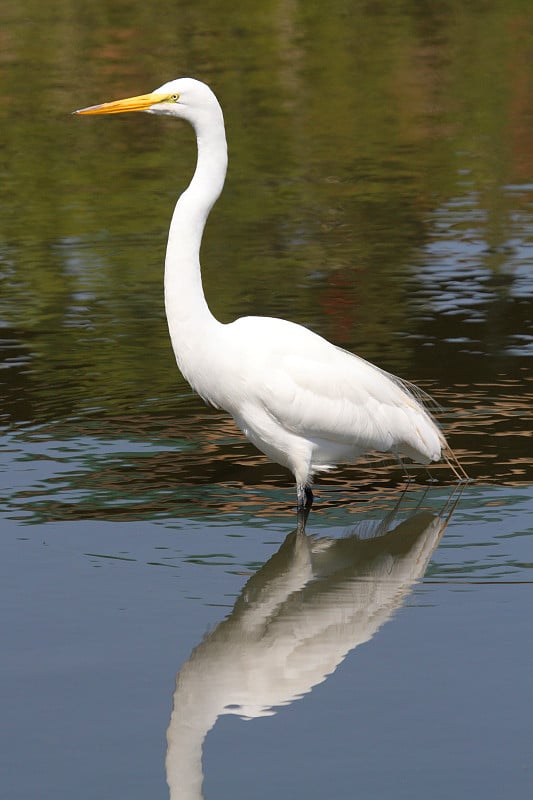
(140, 103)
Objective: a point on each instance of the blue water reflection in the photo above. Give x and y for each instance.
(100, 614)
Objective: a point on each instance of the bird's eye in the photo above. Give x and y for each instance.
(174, 98)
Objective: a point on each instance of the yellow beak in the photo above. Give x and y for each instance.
(139, 103)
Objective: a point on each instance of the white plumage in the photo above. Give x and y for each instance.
(305, 403)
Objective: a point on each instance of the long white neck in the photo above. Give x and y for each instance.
(189, 318)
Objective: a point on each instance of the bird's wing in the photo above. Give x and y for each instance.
(320, 391)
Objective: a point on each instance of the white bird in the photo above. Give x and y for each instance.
(305, 403)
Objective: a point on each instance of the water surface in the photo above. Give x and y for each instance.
(380, 191)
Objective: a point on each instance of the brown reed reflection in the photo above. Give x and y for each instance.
(196, 461)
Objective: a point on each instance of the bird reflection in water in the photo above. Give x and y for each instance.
(295, 621)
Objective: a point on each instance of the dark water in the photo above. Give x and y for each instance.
(380, 191)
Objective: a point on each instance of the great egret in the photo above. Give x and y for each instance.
(302, 401)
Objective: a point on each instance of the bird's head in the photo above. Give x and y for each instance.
(186, 98)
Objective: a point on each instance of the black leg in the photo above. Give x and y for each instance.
(304, 496)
